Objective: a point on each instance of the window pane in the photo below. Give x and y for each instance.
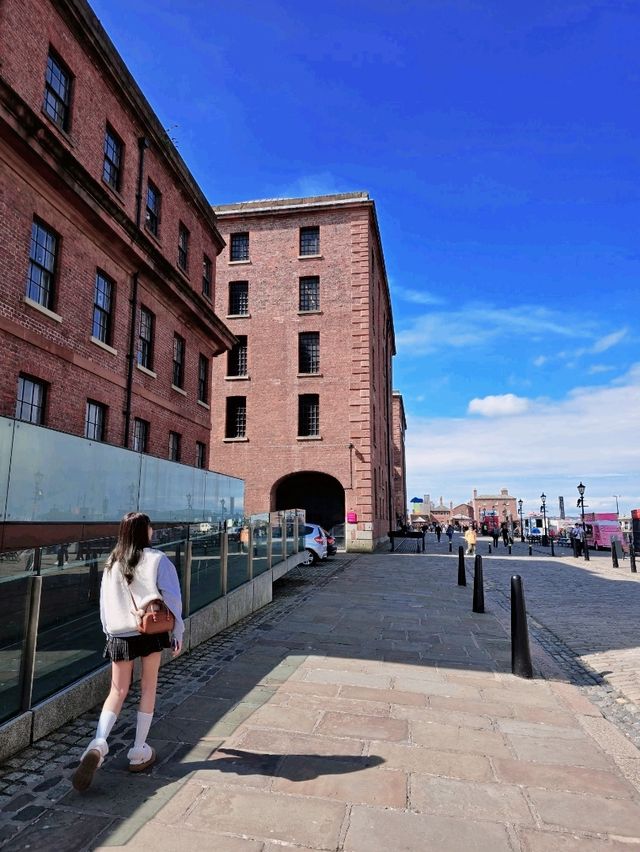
(207, 271)
(236, 424)
(310, 240)
(203, 379)
(42, 261)
(102, 309)
(57, 92)
(309, 352)
(30, 400)
(140, 435)
(201, 454)
(183, 248)
(237, 358)
(94, 421)
(239, 297)
(112, 159)
(174, 446)
(178, 360)
(310, 294)
(152, 215)
(308, 415)
(145, 339)
(240, 246)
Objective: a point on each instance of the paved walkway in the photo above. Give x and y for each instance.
(368, 710)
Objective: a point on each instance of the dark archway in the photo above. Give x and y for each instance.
(321, 495)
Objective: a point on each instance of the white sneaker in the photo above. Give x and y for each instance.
(140, 758)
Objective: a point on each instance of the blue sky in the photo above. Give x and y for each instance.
(500, 143)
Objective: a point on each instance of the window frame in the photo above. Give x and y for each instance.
(109, 164)
(237, 356)
(203, 379)
(146, 429)
(304, 295)
(179, 361)
(102, 313)
(201, 455)
(236, 410)
(207, 276)
(61, 117)
(308, 418)
(311, 355)
(152, 214)
(237, 297)
(306, 232)
(239, 253)
(99, 423)
(146, 347)
(175, 446)
(183, 247)
(35, 286)
(21, 401)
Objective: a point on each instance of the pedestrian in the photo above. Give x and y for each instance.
(135, 575)
(578, 537)
(471, 538)
(438, 532)
(495, 535)
(505, 534)
(449, 532)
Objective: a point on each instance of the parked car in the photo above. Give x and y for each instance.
(315, 543)
(332, 547)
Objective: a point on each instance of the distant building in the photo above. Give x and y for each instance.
(399, 458)
(494, 509)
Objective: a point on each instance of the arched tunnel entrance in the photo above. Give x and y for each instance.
(321, 495)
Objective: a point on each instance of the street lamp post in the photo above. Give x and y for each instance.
(521, 522)
(585, 544)
(543, 509)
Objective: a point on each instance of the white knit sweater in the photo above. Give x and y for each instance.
(155, 577)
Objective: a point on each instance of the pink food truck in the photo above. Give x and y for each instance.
(601, 529)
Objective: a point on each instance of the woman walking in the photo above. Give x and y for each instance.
(135, 575)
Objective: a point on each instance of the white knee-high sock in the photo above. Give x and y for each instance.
(142, 728)
(105, 723)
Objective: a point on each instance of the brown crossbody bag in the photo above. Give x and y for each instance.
(156, 617)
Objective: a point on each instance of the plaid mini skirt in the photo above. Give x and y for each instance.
(126, 648)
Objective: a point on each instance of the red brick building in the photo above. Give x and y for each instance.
(399, 458)
(107, 324)
(307, 414)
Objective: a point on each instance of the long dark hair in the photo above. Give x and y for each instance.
(133, 537)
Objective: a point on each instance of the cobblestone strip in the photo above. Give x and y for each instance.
(33, 779)
(614, 706)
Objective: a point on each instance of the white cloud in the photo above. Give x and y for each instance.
(609, 340)
(503, 405)
(417, 297)
(540, 361)
(591, 435)
(594, 369)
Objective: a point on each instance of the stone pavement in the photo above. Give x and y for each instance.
(366, 709)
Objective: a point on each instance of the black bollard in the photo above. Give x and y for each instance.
(478, 585)
(489, 548)
(530, 550)
(450, 548)
(632, 558)
(553, 553)
(520, 652)
(509, 550)
(614, 555)
(462, 574)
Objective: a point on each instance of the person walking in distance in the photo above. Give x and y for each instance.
(438, 532)
(471, 538)
(449, 532)
(135, 575)
(495, 535)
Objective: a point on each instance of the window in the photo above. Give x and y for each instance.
(207, 276)
(310, 293)
(174, 446)
(239, 298)
(145, 339)
(94, 421)
(30, 401)
(152, 215)
(236, 422)
(237, 358)
(102, 308)
(240, 246)
(112, 158)
(57, 92)
(183, 247)
(203, 378)
(140, 435)
(310, 240)
(308, 415)
(201, 454)
(42, 265)
(178, 361)
(309, 352)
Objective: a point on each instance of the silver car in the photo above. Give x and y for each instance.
(315, 543)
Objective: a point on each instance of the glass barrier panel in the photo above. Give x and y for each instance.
(170, 491)
(237, 555)
(301, 522)
(206, 573)
(14, 598)
(260, 533)
(70, 637)
(173, 543)
(289, 525)
(276, 521)
(6, 441)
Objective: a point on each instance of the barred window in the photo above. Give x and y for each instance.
(309, 293)
(207, 276)
(237, 357)
(239, 298)
(152, 214)
(30, 401)
(140, 435)
(178, 361)
(102, 308)
(42, 265)
(57, 92)
(310, 240)
(240, 246)
(309, 352)
(94, 421)
(236, 420)
(203, 378)
(111, 167)
(175, 440)
(308, 415)
(145, 339)
(201, 454)
(183, 247)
